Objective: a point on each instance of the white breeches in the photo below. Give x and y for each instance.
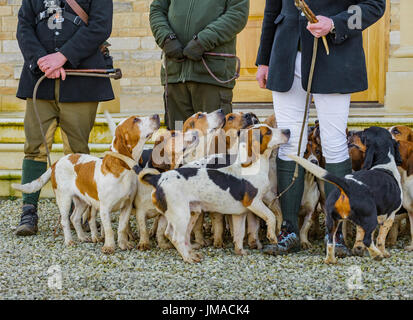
(332, 112)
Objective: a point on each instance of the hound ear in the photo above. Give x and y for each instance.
(397, 157)
(369, 158)
(410, 166)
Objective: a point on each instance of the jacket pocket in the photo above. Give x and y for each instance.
(217, 65)
(173, 68)
(279, 18)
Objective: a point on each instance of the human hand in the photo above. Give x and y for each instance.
(194, 50)
(51, 62)
(56, 74)
(262, 76)
(321, 28)
(173, 49)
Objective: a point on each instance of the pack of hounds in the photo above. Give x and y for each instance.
(223, 166)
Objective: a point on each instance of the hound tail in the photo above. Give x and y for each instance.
(111, 123)
(35, 185)
(149, 177)
(321, 173)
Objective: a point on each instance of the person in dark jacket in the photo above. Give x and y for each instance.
(185, 30)
(284, 60)
(53, 38)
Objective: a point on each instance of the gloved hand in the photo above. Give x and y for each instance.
(173, 49)
(194, 50)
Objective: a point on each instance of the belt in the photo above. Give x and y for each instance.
(66, 15)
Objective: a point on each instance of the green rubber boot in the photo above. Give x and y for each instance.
(32, 170)
(290, 205)
(340, 169)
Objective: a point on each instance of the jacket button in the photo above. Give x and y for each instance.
(56, 49)
(57, 33)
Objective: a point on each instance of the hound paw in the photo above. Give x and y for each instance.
(272, 239)
(201, 243)
(96, 239)
(144, 246)
(86, 239)
(306, 245)
(196, 257)
(218, 243)
(385, 254)
(409, 248)
(378, 257)
(126, 245)
(330, 261)
(240, 252)
(70, 243)
(108, 250)
(165, 245)
(255, 245)
(358, 251)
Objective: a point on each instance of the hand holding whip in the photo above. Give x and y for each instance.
(309, 14)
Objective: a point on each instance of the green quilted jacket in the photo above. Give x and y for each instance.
(216, 22)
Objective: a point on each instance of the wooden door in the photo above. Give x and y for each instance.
(375, 45)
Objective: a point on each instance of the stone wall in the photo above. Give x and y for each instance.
(133, 49)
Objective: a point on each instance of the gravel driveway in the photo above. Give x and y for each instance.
(31, 268)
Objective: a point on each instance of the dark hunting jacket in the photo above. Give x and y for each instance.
(343, 71)
(78, 42)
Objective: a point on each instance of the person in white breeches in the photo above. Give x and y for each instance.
(284, 61)
(332, 112)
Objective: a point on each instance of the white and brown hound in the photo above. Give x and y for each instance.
(107, 184)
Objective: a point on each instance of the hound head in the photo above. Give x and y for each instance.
(402, 133)
(132, 133)
(356, 149)
(260, 139)
(309, 153)
(204, 122)
(377, 143)
(314, 149)
(271, 121)
(171, 147)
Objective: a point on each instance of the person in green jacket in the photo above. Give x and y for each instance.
(185, 30)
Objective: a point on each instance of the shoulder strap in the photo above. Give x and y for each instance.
(78, 10)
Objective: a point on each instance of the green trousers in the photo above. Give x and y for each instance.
(185, 99)
(76, 121)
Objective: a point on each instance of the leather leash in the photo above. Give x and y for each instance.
(95, 73)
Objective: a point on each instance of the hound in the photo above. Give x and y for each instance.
(402, 133)
(367, 197)
(107, 184)
(406, 172)
(231, 190)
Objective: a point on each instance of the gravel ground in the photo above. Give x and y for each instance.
(161, 274)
